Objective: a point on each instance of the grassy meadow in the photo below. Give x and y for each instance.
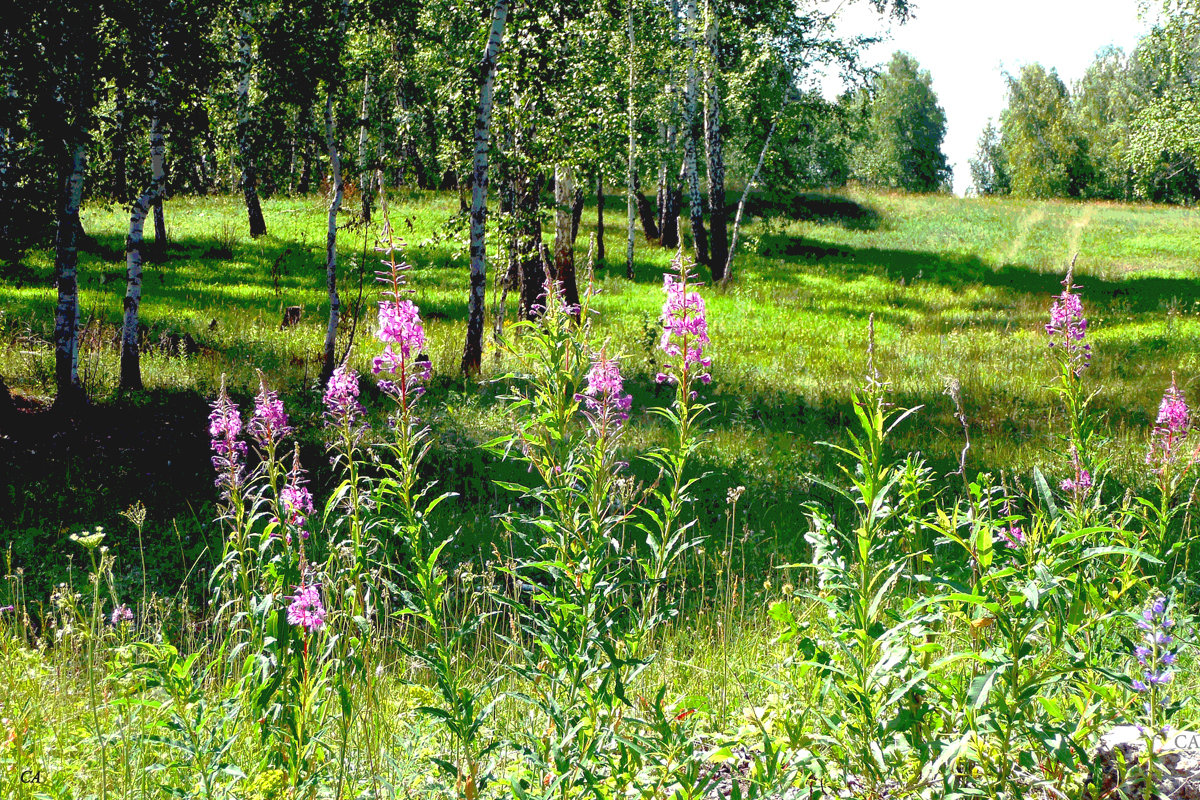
(960, 290)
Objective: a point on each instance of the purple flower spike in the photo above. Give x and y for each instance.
(225, 428)
(269, 425)
(605, 393)
(685, 329)
(341, 397)
(1170, 428)
(1153, 657)
(306, 609)
(1068, 327)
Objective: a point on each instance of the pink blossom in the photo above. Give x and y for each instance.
(341, 397)
(270, 423)
(605, 393)
(685, 328)
(1170, 428)
(225, 426)
(306, 609)
(1068, 327)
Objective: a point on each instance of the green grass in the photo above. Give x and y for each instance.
(959, 288)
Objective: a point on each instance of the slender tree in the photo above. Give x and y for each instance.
(713, 149)
(249, 176)
(473, 348)
(689, 172)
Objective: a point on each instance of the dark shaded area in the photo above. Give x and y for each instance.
(819, 207)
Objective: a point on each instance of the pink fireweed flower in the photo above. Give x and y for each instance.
(270, 423)
(1068, 327)
(121, 613)
(225, 428)
(306, 609)
(1170, 428)
(341, 397)
(403, 335)
(605, 393)
(685, 328)
(1011, 534)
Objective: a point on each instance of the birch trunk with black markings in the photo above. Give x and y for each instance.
(713, 150)
(249, 177)
(335, 205)
(473, 348)
(131, 368)
(691, 175)
(66, 260)
(365, 175)
(564, 252)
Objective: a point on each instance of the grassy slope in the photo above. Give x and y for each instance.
(960, 290)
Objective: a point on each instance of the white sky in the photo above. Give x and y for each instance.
(967, 45)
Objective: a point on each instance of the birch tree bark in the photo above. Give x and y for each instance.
(131, 369)
(737, 219)
(365, 175)
(249, 177)
(158, 145)
(600, 217)
(66, 259)
(691, 175)
(564, 253)
(713, 147)
(473, 348)
(335, 205)
(631, 170)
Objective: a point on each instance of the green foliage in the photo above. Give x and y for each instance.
(905, 127)
(1046, 152)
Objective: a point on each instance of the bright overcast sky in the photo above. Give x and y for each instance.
(968, 45)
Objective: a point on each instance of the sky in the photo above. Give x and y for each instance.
(968, 45)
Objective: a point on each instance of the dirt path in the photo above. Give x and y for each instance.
(1023, 227)
(1075, 235)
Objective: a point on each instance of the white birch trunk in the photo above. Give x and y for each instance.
(66, 260)
(335, 204)
(691, 173)
(713, 149)
(631, 173)
(473, 348)
(131, 371)
(158, 146)
(365, 180)
(564, 253)
(248, 180)
(737, 219)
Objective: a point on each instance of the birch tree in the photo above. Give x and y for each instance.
(249, 177)
(473, 348)
(689, 172)
(713, 145)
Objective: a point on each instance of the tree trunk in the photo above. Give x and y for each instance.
(631, 167)
(159, 178)
(365, 181)
(158, 145)
(335, 204)
(249, 178)
(600, 218)
(577, 201)
(532, 274)
(131, 370)
(473, 348)
(645, 211)
(564, 253)
(66, 259)
(669, 194)
(304, 184)
(737, 219)
(713, 148)
(691, 174)
(120, 184)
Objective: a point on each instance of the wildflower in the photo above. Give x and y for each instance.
(1068, 327)
(685, 327)
(225, 428)
(1170, 428)
(270, 423)
(1011, 534)
(295, 500)
(341, 397)
(1153, 655)
(121, 613)
(403, 335)
(5, 609)
(306, 609)
(1082, 482)
(604, 394)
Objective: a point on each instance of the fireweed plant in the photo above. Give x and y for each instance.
(591, 551)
